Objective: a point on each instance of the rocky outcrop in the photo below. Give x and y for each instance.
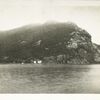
(80, 46)
(96, 53)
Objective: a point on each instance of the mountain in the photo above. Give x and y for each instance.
(49, 42)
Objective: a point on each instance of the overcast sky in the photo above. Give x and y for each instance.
(16, 13)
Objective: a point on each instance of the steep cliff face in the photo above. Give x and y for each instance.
(52, 43)
(80, 48)
(96, 53)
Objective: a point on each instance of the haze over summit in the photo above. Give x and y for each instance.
(14, 14)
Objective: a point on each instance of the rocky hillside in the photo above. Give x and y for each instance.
(49, 42)
(96, 53)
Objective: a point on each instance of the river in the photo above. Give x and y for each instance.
(49, 78)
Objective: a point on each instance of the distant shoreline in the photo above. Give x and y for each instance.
(46, 64)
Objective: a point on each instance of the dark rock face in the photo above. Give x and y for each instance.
(96, 53)
(51, 43)
(80, 47)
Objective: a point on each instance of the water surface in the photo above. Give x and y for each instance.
(30, 78)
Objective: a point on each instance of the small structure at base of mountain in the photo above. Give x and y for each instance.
(37, 61)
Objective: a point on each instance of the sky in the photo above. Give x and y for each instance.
(86, 14)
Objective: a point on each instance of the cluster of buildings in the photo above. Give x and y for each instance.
(37, 61)
(34, 62)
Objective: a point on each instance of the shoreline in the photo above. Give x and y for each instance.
(29, 65)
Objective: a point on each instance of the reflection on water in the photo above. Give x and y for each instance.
(30, 78)
(94, 78)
